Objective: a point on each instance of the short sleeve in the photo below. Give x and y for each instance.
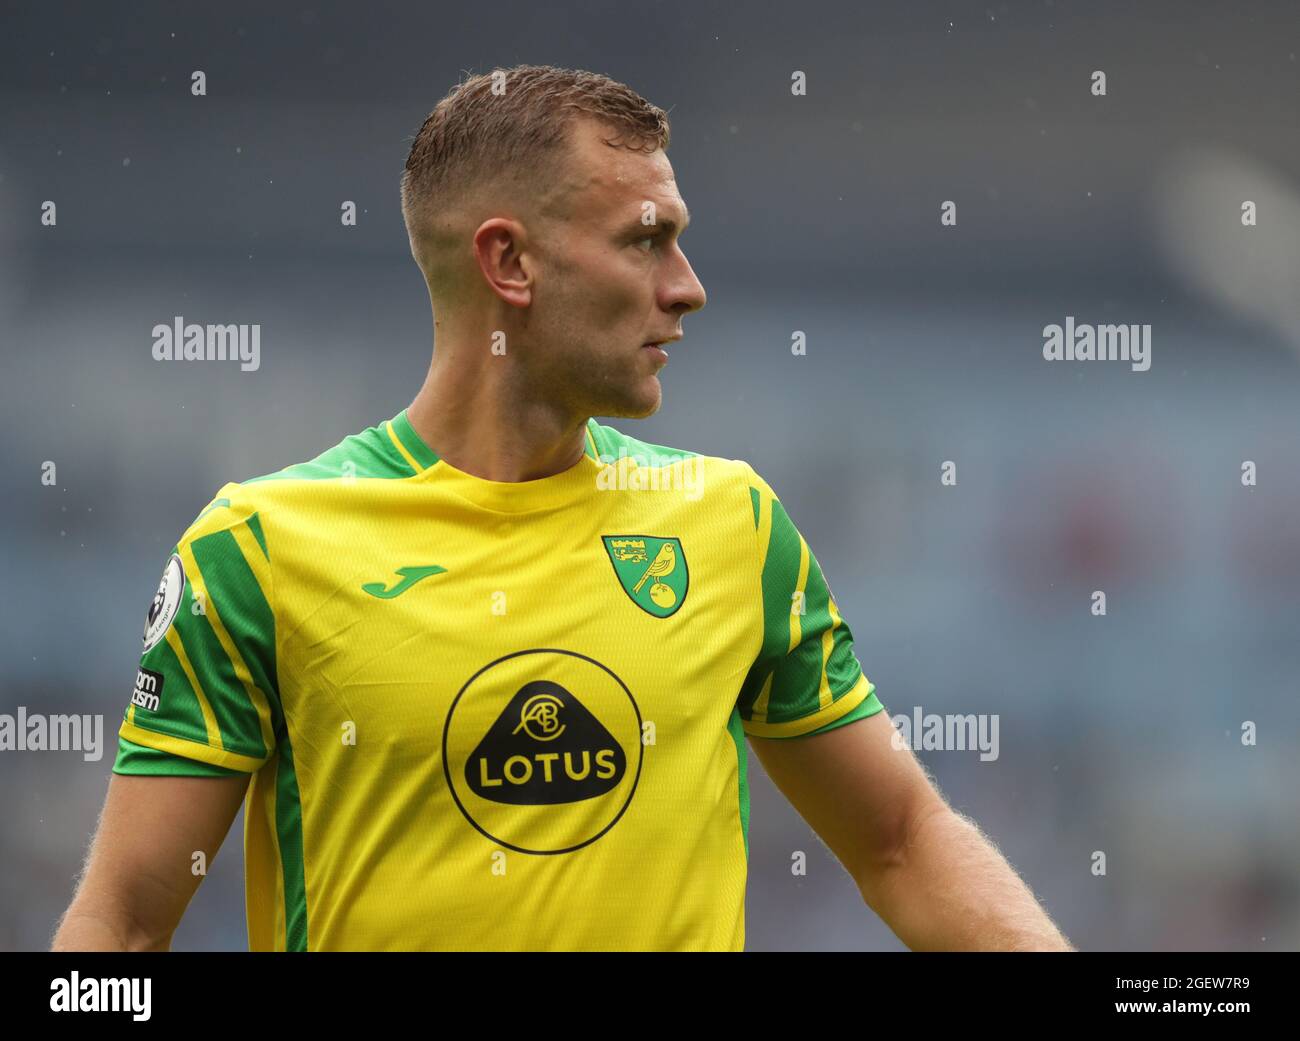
(149, 762)
(806, 677)
(205, 688)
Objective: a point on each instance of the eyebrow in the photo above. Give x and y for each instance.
(665, 226)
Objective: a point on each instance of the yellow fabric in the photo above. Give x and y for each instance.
(510, 753)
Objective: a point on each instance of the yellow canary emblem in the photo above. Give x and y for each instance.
(658, 560)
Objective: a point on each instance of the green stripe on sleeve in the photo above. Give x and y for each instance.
(780, 576)
(796, 687)
(178, 711)
(816, 617)
(842, 667)
(149, 762)
(868, 707)
(255, 526)
(243, 610)
(795, 675)
(236, 716)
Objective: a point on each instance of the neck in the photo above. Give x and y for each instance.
(484, 422)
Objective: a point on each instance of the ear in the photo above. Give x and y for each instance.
(500, 251)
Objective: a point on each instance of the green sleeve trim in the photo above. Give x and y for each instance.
(869, 707)
(149, 762)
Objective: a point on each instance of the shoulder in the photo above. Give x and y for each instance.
(611, 445)
(735, 479)
(386, 450)
(378, 452)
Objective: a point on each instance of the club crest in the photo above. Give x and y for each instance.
(651, 570)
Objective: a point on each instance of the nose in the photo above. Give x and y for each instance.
(683, 292)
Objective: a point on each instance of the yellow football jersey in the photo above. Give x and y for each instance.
(487, 715)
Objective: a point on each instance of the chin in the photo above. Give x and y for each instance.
(636, 406)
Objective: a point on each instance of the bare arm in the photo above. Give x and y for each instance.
(139, 876)
(926, 870)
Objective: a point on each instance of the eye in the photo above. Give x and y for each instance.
(645, 244)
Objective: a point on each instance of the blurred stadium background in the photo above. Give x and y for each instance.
(817, 213)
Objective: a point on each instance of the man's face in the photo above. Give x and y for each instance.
(608, 282)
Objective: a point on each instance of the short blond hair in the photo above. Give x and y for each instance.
(515, 133)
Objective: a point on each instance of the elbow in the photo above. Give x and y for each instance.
(85, 928)
(895, 845)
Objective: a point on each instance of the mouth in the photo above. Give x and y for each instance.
(659, 345)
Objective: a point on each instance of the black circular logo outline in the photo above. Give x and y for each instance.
(446, 762)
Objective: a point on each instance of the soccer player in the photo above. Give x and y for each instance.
(483, 674)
